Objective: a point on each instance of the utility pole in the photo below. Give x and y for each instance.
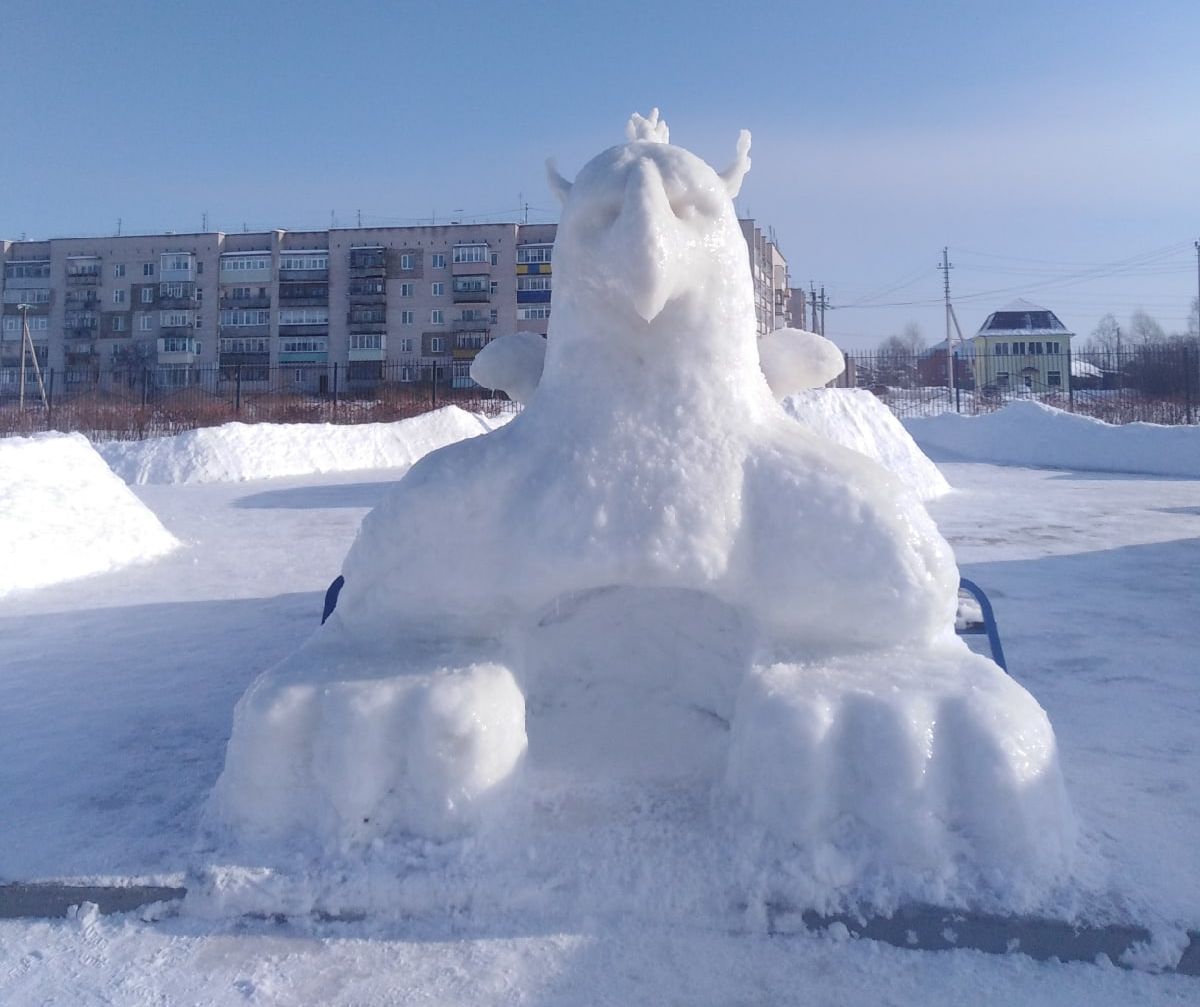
(823, 303)
(812, 301)
(204, 222)
(359, 212)
(27, 345)
(1197, 244)
(945, 267)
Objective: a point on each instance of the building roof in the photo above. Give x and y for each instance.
(1022, 317)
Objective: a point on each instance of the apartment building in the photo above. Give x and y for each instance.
(422, 299)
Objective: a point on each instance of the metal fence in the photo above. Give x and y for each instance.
(1150, 384)
(137, 402)
(1154, 384)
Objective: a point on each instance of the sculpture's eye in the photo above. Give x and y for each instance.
(690, 208)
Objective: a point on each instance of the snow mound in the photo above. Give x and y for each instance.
(1039, 436)
(239, 451)
(64, 515)
(856, 419)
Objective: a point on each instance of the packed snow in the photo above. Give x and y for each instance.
(238, 451)
(114, 715)
(611, 689)
(64, 515)
(1030, 433)
(512, 611)
(856, 419)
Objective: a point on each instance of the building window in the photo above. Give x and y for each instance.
(535, 253)
(147, 295)
(366, 341)
(1054, 379)
(147, 268)
(1018, 349)
(118, 297)
(406, 318)
(118, 323)
(176, 262)
(470, 253)
(495, 259)
(406, 260)
(1002, 349)
(437, 344)
(33, 270)
(240, 263)
(1035, 349)
(246, 316)
(406, 289)
(533, 312)
(30, 295)
(494, 316)
(118, 270)
(438, 260)
(145, 322)
(176, 319)
(437, 317)
(1053, 348)
(244, 345)
(303, 316)
(534, 282)
(309, 345)
(437, 288)
(406, 345)
(304, 261)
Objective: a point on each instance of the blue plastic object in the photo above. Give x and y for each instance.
(989, 621)
(331, 597)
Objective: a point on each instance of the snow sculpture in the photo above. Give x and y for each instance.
(654, 573)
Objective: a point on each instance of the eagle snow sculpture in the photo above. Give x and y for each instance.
(653, 487)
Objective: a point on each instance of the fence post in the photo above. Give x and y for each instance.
(433, 385)
(335, 387)
(237, 389)
(50, 399)
(1187, 382)
(1070, 381)
(145, 385)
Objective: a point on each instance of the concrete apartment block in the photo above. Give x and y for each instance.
(347, 305)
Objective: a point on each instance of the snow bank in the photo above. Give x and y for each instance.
(240, 451)
(1036, 435)
(856, 419)
(64, 515)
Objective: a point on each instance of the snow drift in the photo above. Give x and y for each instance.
(1037, 435)
(856, 419)
(64, 515)
(653, 644)
(240, 451)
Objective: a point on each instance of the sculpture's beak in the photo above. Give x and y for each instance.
(647, 241)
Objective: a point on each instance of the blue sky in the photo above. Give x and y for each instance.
(1054, 147)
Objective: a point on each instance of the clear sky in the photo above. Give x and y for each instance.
(1053, 146)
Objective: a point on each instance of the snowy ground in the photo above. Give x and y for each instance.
(116, 695)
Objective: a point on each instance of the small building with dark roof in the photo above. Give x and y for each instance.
(1022, 345)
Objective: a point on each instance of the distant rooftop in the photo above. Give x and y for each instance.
(1022, 317)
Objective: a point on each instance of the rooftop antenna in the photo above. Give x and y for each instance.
(204, 222)
(359, 212)
(118, 227)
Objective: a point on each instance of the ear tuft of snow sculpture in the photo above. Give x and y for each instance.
(558, 185)
(651, 130)
(733, 175)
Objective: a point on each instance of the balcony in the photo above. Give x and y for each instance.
(368, 271)
(83, 278)
(533, 296)
(473, 296)
(367, 297)
(245, 302)
(77, 300)
(483, 268)
(295, 275)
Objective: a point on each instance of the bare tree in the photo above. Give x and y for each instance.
(1143, 329)
(1105, 337)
